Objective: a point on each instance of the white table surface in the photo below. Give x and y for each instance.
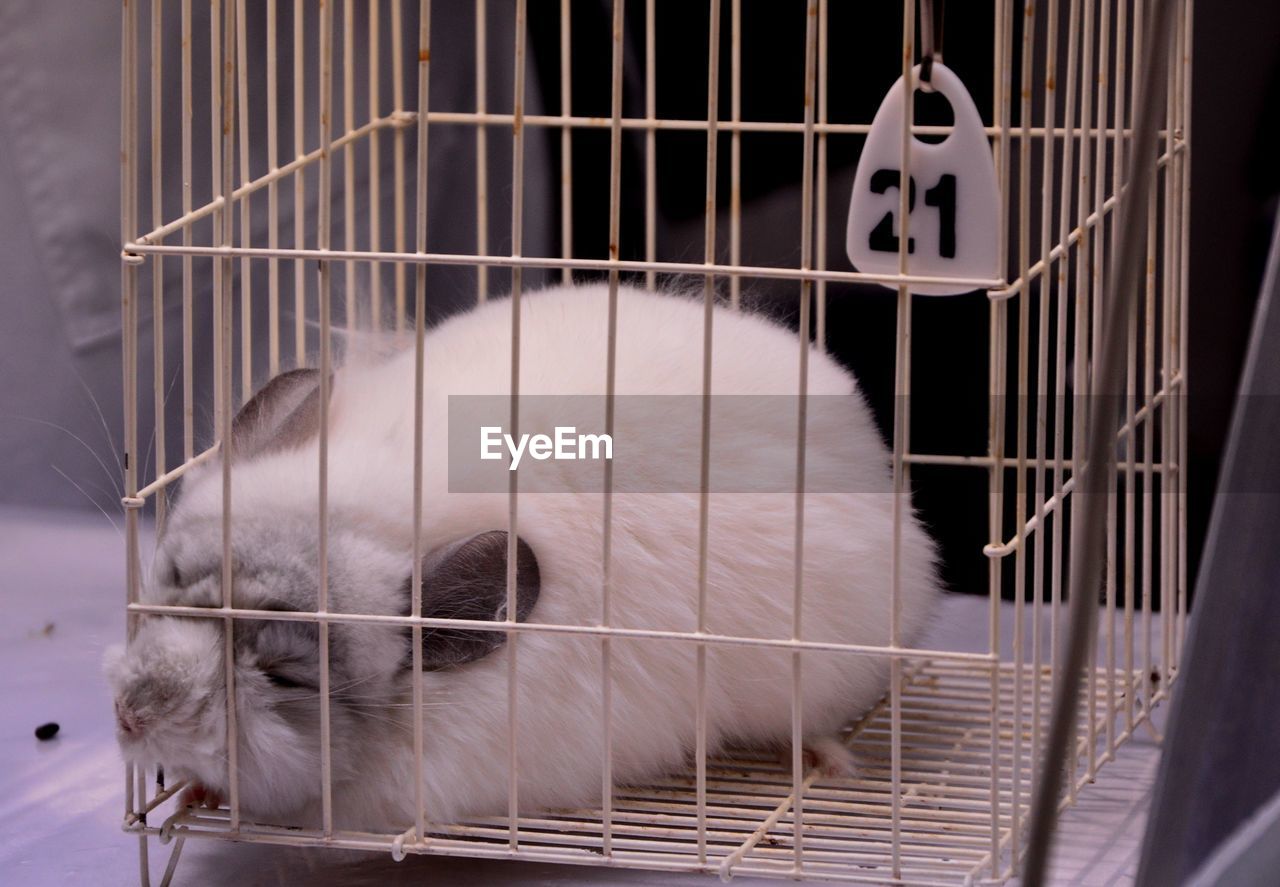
(61, 801)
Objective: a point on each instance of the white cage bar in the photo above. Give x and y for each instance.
(949, 753)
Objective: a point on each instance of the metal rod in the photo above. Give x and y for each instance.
(699, 269)
(611, 362)
(1086, 554)
(420, 220)
(517, 284)
(514, 628)
(704, 454)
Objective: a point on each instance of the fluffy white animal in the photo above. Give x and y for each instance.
(169, 685)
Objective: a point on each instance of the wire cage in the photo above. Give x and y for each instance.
(297, 105)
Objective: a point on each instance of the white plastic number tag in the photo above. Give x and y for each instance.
(954, 232)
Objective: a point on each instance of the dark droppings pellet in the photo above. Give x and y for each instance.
(47, 731)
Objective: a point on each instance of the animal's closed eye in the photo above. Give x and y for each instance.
(286, 682)
(180, 576)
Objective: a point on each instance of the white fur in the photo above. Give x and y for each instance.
(655, 545)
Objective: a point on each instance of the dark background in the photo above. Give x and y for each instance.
(1234, 182)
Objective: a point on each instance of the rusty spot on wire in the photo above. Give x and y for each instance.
(424, 55)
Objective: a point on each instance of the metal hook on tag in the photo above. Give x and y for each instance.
(931, 12)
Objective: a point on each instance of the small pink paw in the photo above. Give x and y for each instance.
(196, 795)
(830, 757)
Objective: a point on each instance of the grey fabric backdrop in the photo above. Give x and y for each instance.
(60, 211)
(58, 246)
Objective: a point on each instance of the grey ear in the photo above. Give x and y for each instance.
(284, 413)
(468, 580)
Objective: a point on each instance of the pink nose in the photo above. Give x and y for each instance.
(128, 721)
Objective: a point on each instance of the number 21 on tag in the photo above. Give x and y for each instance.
(957, 237)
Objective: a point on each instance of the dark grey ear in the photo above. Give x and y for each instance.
(284, 413)
(468, 580)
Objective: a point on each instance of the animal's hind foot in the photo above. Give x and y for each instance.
(196, 795)
(830, 757)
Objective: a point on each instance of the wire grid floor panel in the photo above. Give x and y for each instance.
(944, 812)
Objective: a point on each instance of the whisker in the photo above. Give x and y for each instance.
(67, 431)
(106, 494)
(354, 682)
(146, 462)
(400, 704)
(315, 699)
(94, 502)
(340, 688)
(399, 725)
(106, 429)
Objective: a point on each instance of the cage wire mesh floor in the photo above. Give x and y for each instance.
(944, 821)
